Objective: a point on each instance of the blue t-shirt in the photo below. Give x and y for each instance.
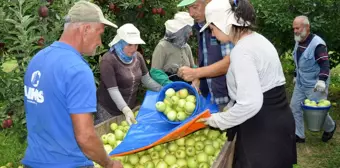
(58, 83)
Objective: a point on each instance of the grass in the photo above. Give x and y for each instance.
(312, 154)
(12, 147)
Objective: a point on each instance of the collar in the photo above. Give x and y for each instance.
(65, 46)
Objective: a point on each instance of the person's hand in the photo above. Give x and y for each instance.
(129, 116)
(208, 121)
(320, 86)
(114, 164)
(187, 73)
(294, 80)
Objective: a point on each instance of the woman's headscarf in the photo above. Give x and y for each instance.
(180, 38)
(126, 34)
(178, 29)
(119, 49)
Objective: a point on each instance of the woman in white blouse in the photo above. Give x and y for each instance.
(259, 112)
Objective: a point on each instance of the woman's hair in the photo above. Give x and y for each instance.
(244, 12)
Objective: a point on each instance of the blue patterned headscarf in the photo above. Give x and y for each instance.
(119, 49)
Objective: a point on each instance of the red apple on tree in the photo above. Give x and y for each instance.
(43, 11)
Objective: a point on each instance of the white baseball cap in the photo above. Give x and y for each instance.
(129, 33)
(220, 14)
(181, 19)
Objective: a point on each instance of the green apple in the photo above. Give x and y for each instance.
(180, 142)
(178, 109)
(170, 92)
(127, 165)
(181, 116)
(163, 152)
(171, 115)
(189, 142)
(119, 134)
(158, 148)
(182, 163)
(168, 102)
(190, 151)
(213, 134)
(172, 147)
(154, 155)
(203, 165)
(124, 123)
(161, 164)
(167, 110)
(174, 166)
(111, 139)
(133, 159)
(202, 157)
(174, 100)
(170, 159)
(104, 139)
(180, 154)
(181, 103)
(183, 93)
(199, 145)
(144, 159)
(192, 162)
(189, 107)
(113, 126)
(160, 106)
(307, 101)
(191, 98)
(149, 164)
(209, 150)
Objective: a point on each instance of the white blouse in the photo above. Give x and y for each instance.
(254, 68)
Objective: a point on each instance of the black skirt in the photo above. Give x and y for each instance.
(267, 140)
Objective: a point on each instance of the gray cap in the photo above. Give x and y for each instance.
(84, 11)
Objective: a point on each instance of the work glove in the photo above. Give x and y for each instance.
(320, 86)
(294, 80)
(208, 121)
(129, 116)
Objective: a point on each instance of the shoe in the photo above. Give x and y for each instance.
(299, 140)
(326, 136)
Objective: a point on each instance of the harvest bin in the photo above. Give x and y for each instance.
(224, 159)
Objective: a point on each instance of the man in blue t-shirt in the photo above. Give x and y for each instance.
(60, 97)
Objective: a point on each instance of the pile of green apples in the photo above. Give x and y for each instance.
(196, 150)
(177, 106)
(321, 103)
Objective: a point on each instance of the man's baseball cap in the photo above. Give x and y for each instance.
(129, 33)
(186, 3)
(220, 14)
(84, 11)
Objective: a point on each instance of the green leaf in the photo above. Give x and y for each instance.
(12, 21)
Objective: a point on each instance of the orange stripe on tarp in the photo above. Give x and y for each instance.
(186, 129)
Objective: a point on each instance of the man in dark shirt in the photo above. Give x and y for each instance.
(311, 76)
